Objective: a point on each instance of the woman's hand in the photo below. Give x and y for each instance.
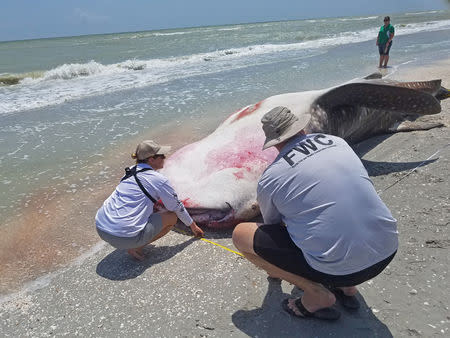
(196, 230)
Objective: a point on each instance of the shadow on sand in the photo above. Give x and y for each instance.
(383, 168)
(210, 233)
(272, 321)
(118, 265)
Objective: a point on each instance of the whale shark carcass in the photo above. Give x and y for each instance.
(216, 177)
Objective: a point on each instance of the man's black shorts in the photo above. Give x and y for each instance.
(273, 243)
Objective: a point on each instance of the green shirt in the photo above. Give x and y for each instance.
(384, 34)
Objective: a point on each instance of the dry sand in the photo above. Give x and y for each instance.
(192, 288)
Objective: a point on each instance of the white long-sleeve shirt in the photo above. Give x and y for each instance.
(320, 189)
(126, 211)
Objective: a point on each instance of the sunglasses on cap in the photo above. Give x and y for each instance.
(159, 156)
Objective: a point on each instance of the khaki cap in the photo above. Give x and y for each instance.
(149, 148)
(279, 124)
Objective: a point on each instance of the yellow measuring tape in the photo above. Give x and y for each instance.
(223, 247)
(208, 241)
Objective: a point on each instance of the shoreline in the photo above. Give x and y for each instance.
(394, 302)
(30, 253)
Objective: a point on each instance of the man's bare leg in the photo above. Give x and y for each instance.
(349, 290)
(169, 219)
(315, 296)
(386, 59)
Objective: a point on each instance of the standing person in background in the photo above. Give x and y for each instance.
(384, 41)
(126, 219)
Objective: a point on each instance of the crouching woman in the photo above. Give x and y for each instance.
(126, 219)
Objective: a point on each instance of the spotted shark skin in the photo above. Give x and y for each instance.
(216, 177)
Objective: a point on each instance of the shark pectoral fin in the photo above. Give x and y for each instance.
(431, 87)
(415, 125)
(383, 96)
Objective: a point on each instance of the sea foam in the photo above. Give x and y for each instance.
(75, 81)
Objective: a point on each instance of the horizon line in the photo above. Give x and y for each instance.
(204, 26)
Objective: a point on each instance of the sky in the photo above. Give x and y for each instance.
(31, 19)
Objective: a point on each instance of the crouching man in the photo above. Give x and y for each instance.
(325, 228)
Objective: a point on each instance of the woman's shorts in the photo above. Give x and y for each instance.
(152, 228)
(273, 243)
(382, 47)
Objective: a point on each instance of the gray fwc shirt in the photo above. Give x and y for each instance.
(319, 188)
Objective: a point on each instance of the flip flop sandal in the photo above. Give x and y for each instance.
(349, 302)
(328, 313)
(273, 279)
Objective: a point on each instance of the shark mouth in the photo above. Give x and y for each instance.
(214, 218)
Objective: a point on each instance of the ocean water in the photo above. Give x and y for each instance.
(72, 108)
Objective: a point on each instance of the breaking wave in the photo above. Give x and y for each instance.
(359, 18)
(13, 79)
(420, 13)
(73, 81)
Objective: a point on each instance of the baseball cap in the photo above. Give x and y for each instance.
(279, 124)
(149, 148)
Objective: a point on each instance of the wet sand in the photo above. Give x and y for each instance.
(55, 226)
(188, 287)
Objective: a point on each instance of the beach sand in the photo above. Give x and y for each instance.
(189, 287)
(56, 225)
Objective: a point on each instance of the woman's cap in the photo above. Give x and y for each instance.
(149, 148)
(279, 124)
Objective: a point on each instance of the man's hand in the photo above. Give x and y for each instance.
(196, 230)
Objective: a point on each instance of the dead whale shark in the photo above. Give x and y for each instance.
(216, 177)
